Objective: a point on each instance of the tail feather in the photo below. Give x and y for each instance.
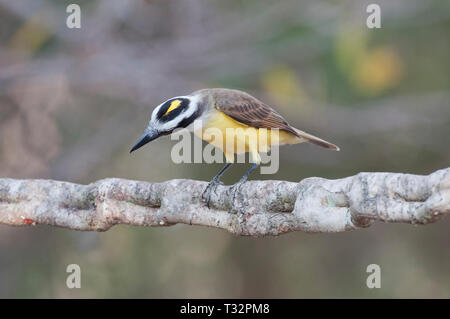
(315, 140)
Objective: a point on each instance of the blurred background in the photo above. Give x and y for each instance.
(74, 101)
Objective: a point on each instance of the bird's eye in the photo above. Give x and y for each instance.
(173, 105)
(171, 109)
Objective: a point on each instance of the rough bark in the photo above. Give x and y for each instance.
(260, 207)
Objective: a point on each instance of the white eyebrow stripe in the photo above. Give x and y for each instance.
(183, 115)
(156, 110)
(192, 108)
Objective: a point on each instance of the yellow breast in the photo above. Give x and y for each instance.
(233, 137)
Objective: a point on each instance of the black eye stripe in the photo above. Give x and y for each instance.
(163, 117)
(185, 122)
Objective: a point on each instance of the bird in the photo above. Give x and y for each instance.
(223, 109)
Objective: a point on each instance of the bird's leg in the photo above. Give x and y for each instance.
(236, 187)
(213, 184)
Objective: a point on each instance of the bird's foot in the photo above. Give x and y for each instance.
(234, 191)
(212, 185)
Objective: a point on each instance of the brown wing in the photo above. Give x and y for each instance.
(248, 110)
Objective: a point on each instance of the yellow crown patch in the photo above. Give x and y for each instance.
(173, 106)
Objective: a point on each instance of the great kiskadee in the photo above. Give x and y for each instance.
(224, 109)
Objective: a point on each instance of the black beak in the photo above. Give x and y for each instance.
(146, 138)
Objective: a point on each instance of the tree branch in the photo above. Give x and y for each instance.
(259, 208)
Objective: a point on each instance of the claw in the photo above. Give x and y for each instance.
(212, 185)
(235, 189)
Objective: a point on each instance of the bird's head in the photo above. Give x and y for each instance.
(177, 112)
